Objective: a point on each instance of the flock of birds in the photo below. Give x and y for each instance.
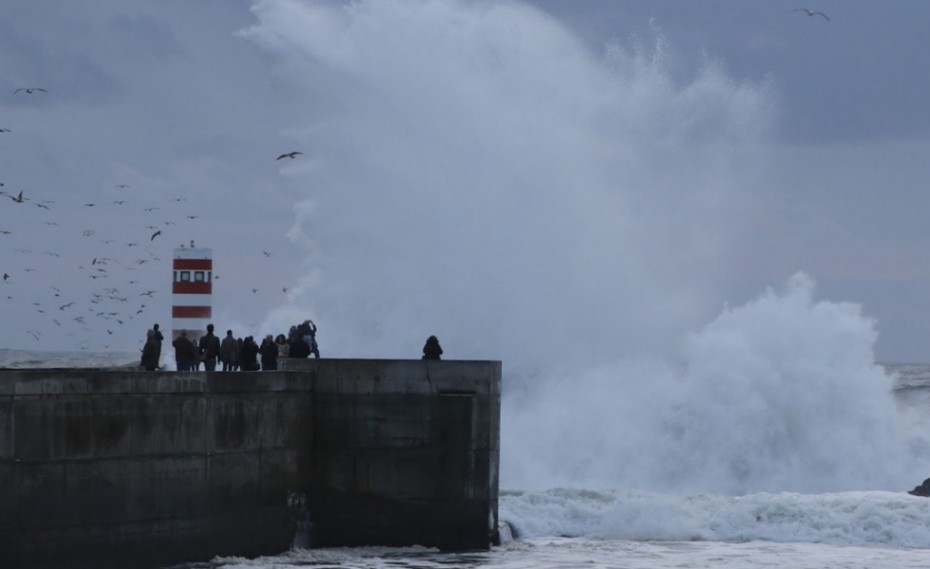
(124, 275)
(88, 298)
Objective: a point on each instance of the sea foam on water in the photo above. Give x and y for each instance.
(781, 394)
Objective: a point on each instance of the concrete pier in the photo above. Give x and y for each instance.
(144, 469)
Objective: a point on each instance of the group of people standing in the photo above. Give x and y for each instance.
(237, 354)
(244, 354)
(233, 353)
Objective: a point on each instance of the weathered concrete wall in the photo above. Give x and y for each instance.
(125, 468)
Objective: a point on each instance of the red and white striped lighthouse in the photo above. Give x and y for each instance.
(191, 291)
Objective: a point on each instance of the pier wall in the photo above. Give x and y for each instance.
(144, 469)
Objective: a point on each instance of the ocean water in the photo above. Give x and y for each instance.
(630, 528)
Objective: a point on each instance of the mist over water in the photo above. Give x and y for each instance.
(472, 170)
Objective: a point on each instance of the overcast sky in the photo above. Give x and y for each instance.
(544, 178)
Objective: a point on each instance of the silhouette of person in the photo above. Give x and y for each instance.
(150, 352)
(184, 352)
(229, 352)
(431, 349)
(159, 338)
(308, 331)
(248, 355)
(298, 347)
(269, 353)
(209, 349)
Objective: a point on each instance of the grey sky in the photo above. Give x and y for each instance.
(806, 146)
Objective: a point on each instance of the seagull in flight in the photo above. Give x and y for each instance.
(812, 13)
(289, 155)
(18, 199)
(154, 235)
(5, 130)
(30, 90)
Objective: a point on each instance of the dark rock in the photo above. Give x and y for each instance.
(922, 490)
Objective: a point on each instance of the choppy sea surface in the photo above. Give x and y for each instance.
(630, 529)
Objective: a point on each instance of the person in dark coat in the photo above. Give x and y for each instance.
(269, 352)
(229, 352)
(249, 355)
(299, 348)
(159, 337)
(209, 347)
(307, 331)
(431, 349)
(150, 352)
(184, 352)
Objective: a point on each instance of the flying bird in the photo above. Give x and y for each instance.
(18, 199)
(6, 277)
(289, 155)
(154, 235)
(30, 90)
(812, 13)
(5, 130)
